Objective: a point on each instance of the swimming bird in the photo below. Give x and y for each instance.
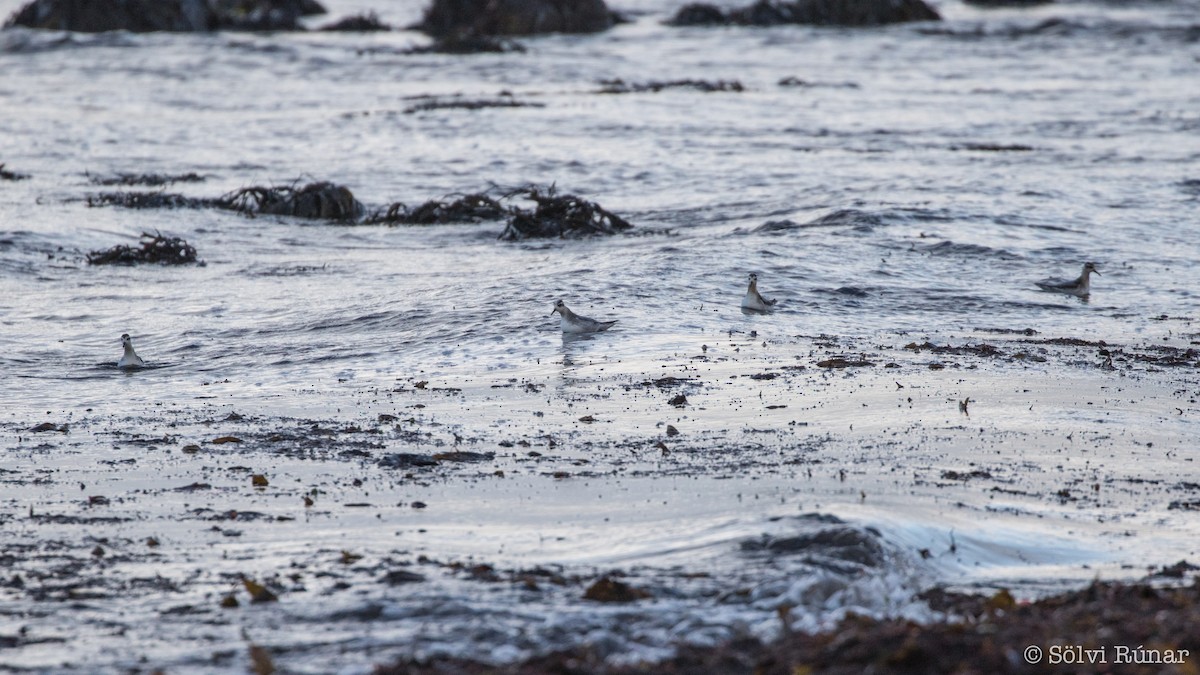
(753, 299)
(129, 359)
(1080, 287)
(573, 323)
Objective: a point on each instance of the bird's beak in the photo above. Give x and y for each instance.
(1097, 271)
(553, 311)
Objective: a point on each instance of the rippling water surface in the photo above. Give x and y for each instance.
(920, 179)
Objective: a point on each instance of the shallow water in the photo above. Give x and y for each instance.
(931, 173)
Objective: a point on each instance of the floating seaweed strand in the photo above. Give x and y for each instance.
(468, 208)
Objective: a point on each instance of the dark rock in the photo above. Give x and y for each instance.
(405, 460)
(833, 544)
(397, 577)
(262, 15)
(457, 18)
(98, 16)
(144, 16)
(154, 248)
(840, 362)
(360, 23)
(812, 12)
(608, 589)
(699, 14)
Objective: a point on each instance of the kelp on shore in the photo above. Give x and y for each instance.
(562, 216)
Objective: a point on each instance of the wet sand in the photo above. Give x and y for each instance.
(1001, 459)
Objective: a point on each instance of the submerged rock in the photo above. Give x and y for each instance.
(607, 589)
(145, 16)
(360, 23)
(813, 12)
(458, 18)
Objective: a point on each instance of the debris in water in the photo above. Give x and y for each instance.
(154, 248)
(366, 22)
(560, 216)
(258, 592)
(470, 208)
(5, 174)
(149, 179)
(315, 200)
(611, 590)
(619, 86)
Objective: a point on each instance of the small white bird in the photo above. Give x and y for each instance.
(753, 299)
(1080, 287)
(573, 323)
(129, 359)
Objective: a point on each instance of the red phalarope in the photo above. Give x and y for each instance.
(573, 323)
(753, 299)
(1079, 287)
(129, 359)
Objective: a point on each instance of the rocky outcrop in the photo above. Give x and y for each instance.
(462, 18)
(812, 12)
(145, 16)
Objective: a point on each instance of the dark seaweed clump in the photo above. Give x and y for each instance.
(555, 216)
(621, 87)
(150, 179)
(811, 12)
(360, 23)
(5, 174)
(153, 248)
(315, 200)
(560, 216)
(468, 104)
(149, 200)
(466, 209)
